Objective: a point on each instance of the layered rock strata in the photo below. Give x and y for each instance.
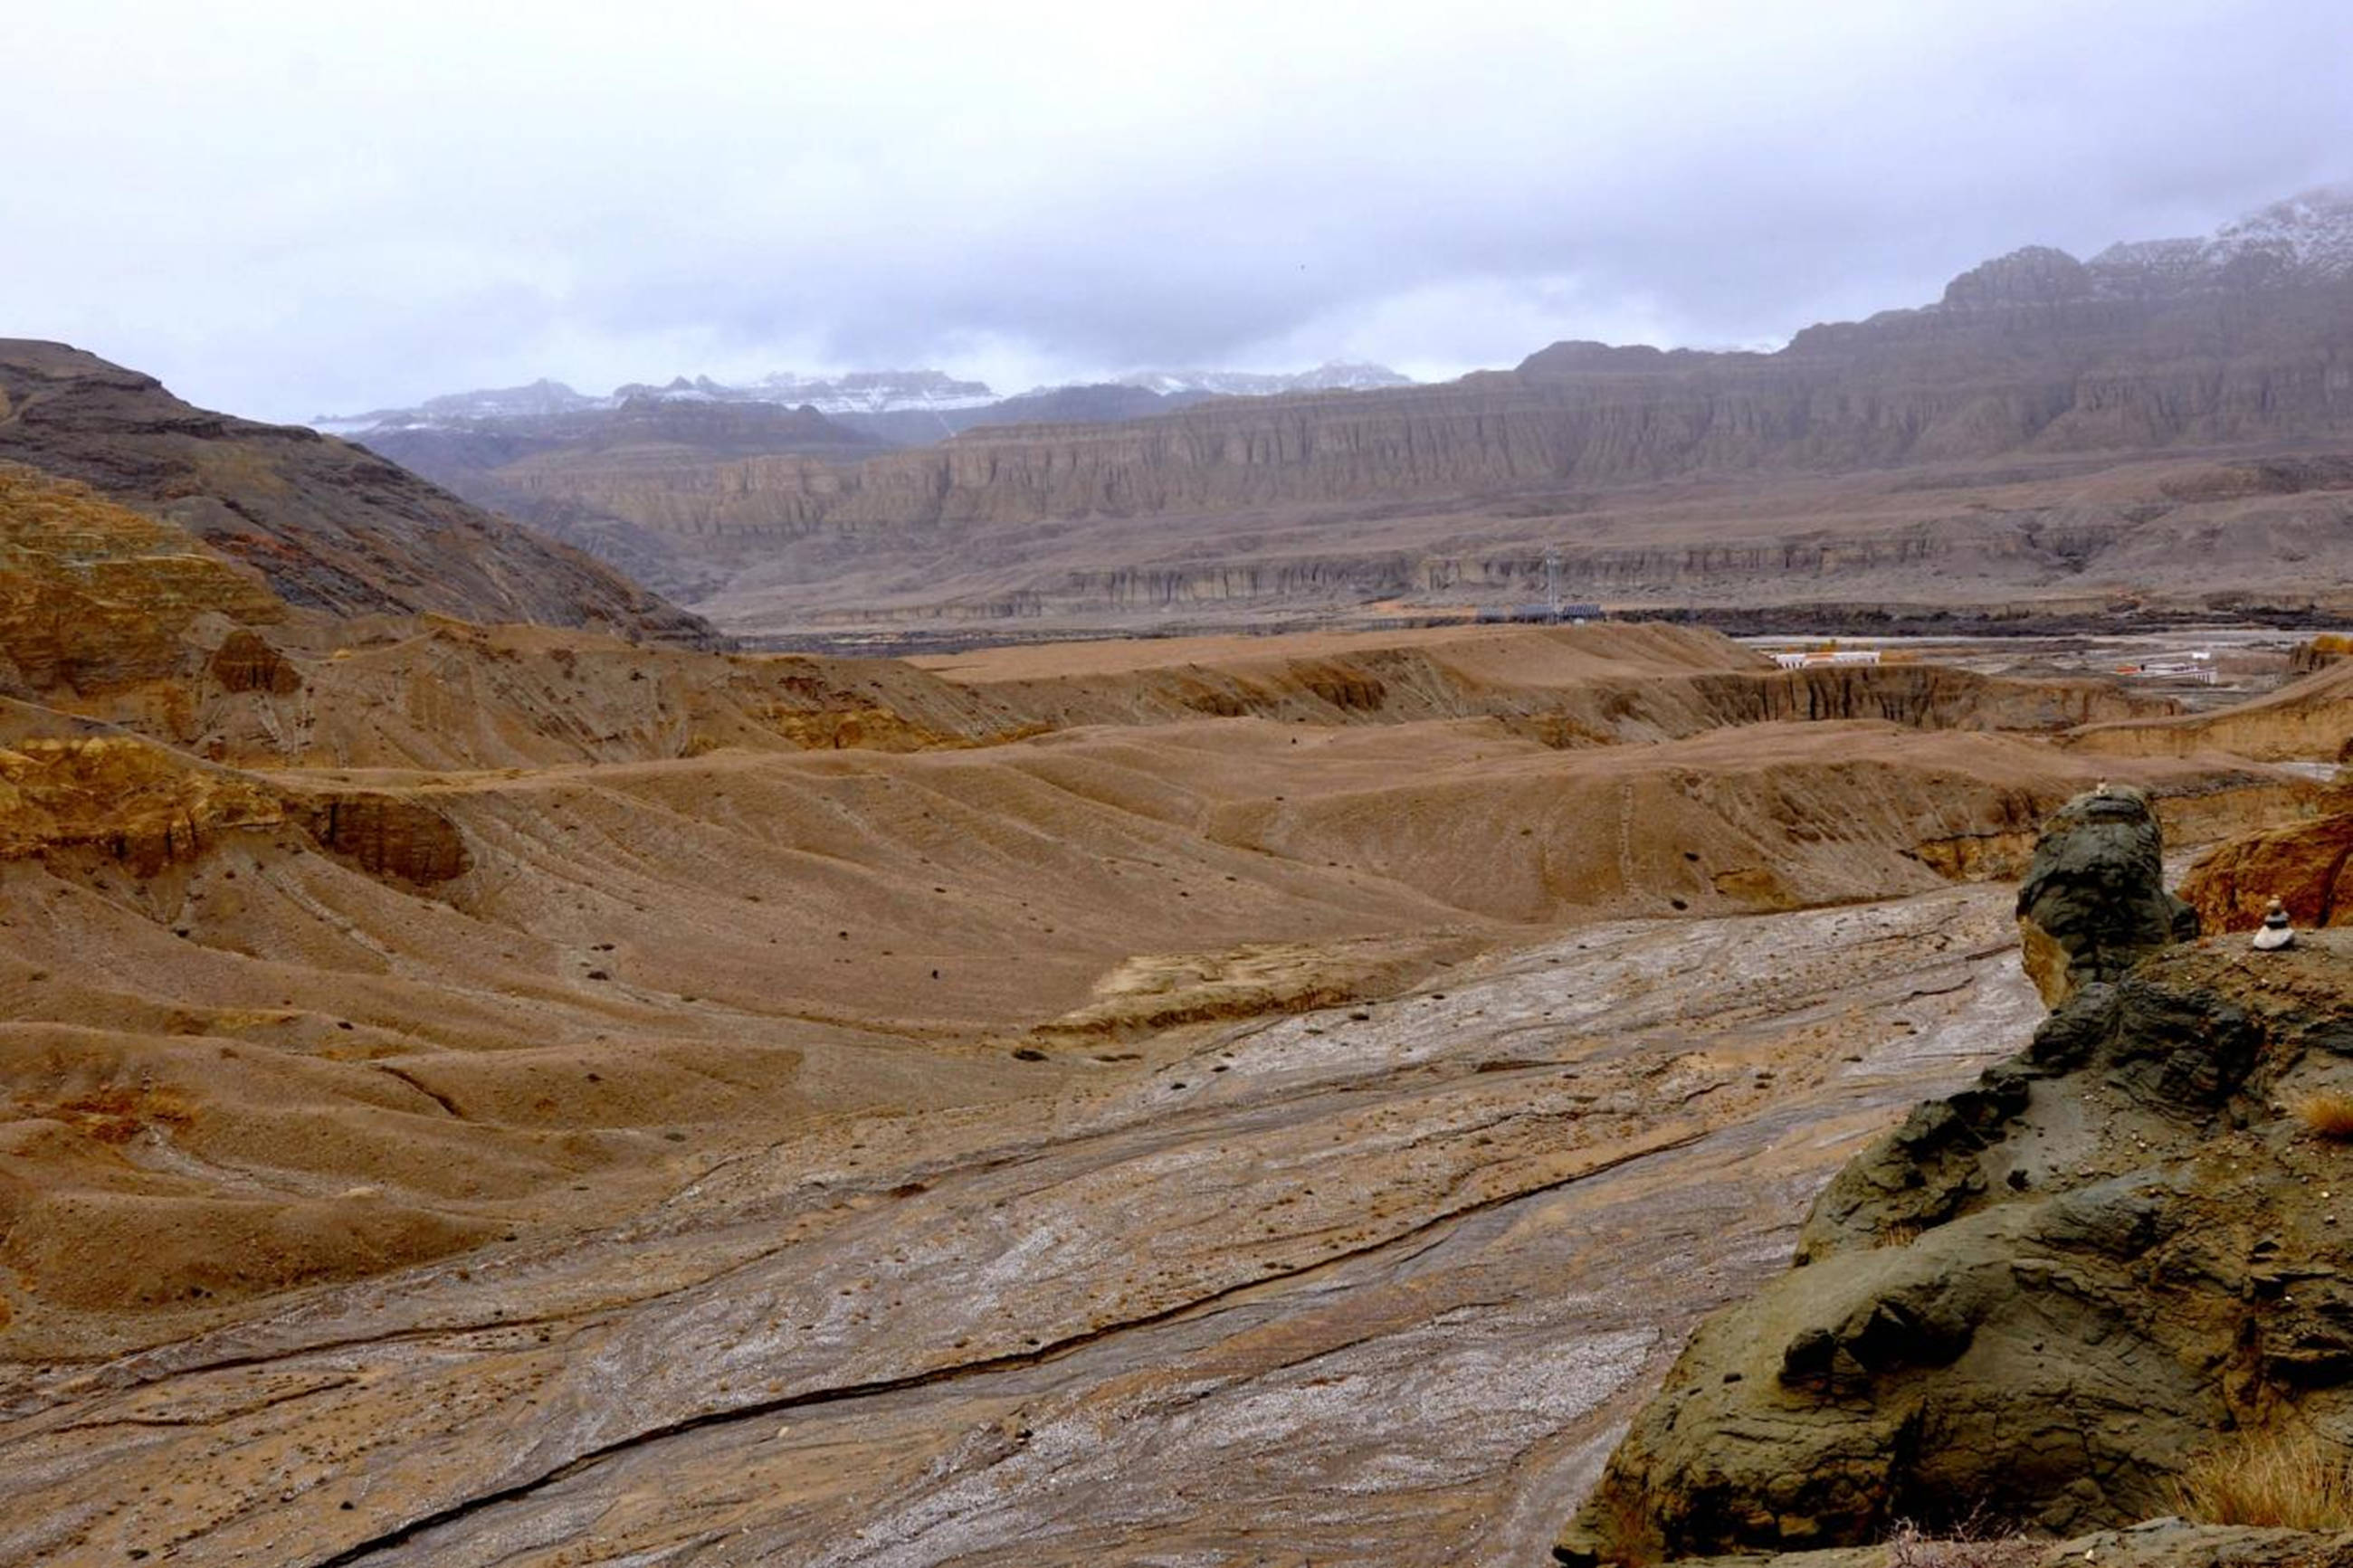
(1965, 382)
(2311, 717)
(2031, 368)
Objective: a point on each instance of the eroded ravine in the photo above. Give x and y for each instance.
(1335, 1288)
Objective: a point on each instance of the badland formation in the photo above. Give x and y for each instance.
(495, 1070)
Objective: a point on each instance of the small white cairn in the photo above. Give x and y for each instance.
(2274, 933)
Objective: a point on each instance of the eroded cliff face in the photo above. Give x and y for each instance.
(1905, 388)
(2310, 718)
(117, 797)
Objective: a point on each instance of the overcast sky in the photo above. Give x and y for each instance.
(284, 209)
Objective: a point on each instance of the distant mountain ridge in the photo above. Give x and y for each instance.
(550, 456)
(2032, 352)
(470, 456)
(935, 403)
(1333, 375)
(1125, 498)
(2241, 342)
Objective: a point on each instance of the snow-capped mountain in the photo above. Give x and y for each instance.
(2306, 238)
(540, 400)
(932, 398)
(1335, 376)
(2304, 242)
(860, 391)
(875, 392)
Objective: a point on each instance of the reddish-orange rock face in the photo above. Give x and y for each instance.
(2308, 866)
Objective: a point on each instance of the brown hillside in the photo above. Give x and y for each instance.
(470, 994)
(330, 526)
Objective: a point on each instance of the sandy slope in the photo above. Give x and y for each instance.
(640, 963)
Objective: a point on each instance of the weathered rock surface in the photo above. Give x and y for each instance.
(2094, 901)
(247, 662)
(2037, 1298)
(94, 797)
(388, 836)
(2162, 1543)
(2307, 865)
(330, 526)
(95, 597)
(142, 805)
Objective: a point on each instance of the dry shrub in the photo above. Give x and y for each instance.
(2328, 1112)
(2291, 1481)
(1912, 1547)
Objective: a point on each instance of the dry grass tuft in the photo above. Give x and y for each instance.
(2290, 1481)
(2328, 1112)
(1912, 1547)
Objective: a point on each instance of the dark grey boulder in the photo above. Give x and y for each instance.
(2094, 901)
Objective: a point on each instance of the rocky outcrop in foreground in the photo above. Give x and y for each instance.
(2036, 1302)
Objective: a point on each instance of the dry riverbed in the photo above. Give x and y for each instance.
(1379, 1283)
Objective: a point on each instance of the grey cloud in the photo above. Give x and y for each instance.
(295, 211)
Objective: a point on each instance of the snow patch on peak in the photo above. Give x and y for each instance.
(1331, 377)
(873, 391)
(2311, 233)
(2307, 238)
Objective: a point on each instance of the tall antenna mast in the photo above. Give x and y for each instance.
(1552, 581)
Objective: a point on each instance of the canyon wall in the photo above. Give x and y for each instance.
(1906, 387)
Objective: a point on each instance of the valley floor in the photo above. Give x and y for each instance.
(491, 1096)
(1373, 1283)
